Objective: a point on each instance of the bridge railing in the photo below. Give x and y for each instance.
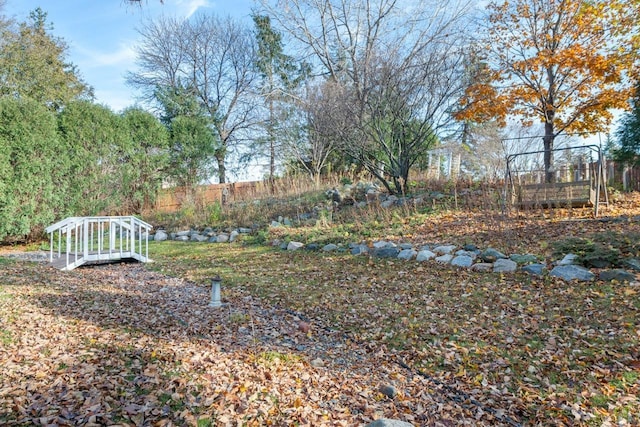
(98, 238)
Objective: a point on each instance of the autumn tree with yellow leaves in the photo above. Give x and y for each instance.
(565, 63)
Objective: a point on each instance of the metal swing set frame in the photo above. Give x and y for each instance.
(582, 186)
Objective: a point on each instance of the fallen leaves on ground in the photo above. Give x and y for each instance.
(120, 345)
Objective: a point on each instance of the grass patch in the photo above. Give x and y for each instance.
(477, 328)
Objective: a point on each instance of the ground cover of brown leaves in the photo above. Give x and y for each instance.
(121, 345)
(128, 344)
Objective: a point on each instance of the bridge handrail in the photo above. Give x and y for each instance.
(82, 231)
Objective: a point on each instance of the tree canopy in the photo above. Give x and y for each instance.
(628, 134)
(564, 63)
(33, 64)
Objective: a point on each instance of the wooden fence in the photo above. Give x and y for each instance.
(172, 199)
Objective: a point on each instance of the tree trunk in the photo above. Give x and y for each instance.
(549, 174)
(222, 170)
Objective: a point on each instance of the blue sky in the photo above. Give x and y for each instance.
(101, 35)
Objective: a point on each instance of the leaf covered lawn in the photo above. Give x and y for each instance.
(121, 345)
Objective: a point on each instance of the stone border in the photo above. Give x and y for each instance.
(467, 256)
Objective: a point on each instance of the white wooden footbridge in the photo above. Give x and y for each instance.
(75, 241)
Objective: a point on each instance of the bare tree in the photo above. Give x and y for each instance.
(321, 110)
(399, 62)
(213, 59)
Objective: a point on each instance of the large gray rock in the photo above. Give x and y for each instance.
(360, 250)
(244, 230)
(330, 247)
(471, 254)
(462, 261)
(572, 272)
(491, 255)
(504, 265)
(407, 254)
(633, 263)
(195, 237)
(444, 259)
(386, 252)
(183, 233)
(535, 269)
(444, 249)
(523, 259)
(569, 259)
(386, 422)
(182, 238)
(222, 238)
(160, 236)
(383, 244)
(425, 255)
(618, 275)
(294, 246)
(482, 266)
(234, 236)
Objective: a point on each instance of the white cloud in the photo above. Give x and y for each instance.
(189, 7)
(123, 55)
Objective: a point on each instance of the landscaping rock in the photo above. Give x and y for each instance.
(444, 249)
(330, 247)
(222, 238)
(387, 252)
(386, 422)
(535, 269)
(312, 247)
(482, 266)
(633, 264)
(382, 244)
(523, 259)
(425, 255)
(504, 265)
(470, 254)
(182, 238)
(444, 259)
(388, 390)
(491, 255)
(569, 259)
(617, 274)
(160, 236)
(404, 246)
(462, 261)
(243, 230)
(275, 224)
(470, 247)
(183, 233)
(195, 237)
(294, 246)
(360, 250)
(572, 272)
(407, 254)
(234, 236)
